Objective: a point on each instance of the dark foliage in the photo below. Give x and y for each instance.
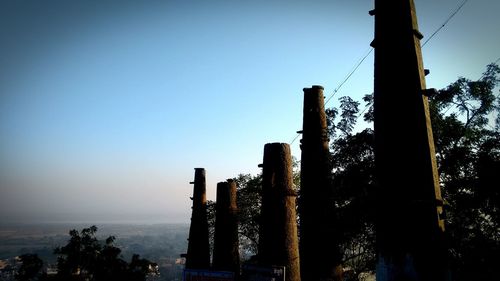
(468, 154)
(248, 199)
(353, 181)
(30, 269)
(84, 257)
(249, 202)
(466, 124)
(249, 189)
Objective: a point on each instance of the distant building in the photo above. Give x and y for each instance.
(8, 268)
(51, 269)
(3, 264)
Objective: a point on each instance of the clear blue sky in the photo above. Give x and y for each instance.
(107, 106)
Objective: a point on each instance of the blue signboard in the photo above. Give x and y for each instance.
(207, 275)
(263, 273)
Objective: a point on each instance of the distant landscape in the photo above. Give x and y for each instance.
(159, 243)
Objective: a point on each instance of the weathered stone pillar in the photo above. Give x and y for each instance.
(198, 253)
(319, 243)
(409, 223)
(278, 244)
(226, 254)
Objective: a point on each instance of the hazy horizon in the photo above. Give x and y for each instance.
(106, 107)
(90, 219)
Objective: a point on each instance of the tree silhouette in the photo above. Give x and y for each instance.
(30, 269)
(466, 124)
(353, 177)
(248, 201)
(249, 189)
(84, 257)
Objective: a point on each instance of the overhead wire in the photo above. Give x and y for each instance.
(358, 64)
(368, 52)
(445, 22)
(459, 7)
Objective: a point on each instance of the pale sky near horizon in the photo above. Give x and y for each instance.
(106, 107)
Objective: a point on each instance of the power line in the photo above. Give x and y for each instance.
(294, 139)
(435, 32)
(446, 21)
(356, 66)
(363, 111)
(369, 51)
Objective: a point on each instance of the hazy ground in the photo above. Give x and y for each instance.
(160, 243)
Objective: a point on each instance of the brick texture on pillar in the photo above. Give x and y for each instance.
(410, 227)
(278, 241)
(198, 253)
(318, 236)
(226, 255)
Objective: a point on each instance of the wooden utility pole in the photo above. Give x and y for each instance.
(409, 216)
(278, 242)
(226, 254)
(319, 244)
(198, 253)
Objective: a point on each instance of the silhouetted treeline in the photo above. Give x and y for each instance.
(466, 125)
(84, 257)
